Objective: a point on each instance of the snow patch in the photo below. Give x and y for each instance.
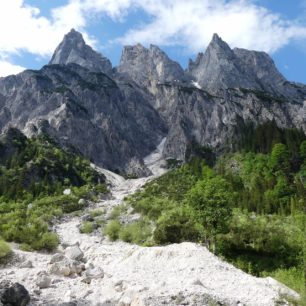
(196, 84)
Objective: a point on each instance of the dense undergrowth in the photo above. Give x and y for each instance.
(33, 175)
(249, 208)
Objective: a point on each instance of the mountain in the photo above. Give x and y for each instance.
(149, 67)
(116, 116)
(220, 67)
(74, 50)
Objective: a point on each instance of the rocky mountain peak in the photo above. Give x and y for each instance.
(73, 49)
(218, 68)
(219, 45)
(149, 66)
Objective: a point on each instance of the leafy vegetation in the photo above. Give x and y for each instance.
(5, 249)
(33, 175)
(87, 227)
(248, 208)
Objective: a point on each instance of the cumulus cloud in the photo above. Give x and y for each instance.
(7, 68)
(192, 24)
(188, 24)
(24, 29)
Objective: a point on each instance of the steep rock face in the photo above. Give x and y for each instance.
(84, 110)
(148, 67)
(218, 121)
(218, 68)
(74, 50)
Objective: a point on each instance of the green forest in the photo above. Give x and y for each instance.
(248, 207)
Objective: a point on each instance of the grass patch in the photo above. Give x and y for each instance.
(86, 228)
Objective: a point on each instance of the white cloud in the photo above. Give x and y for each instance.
(192, 24)
(24, 29)
(173, 22)
(7, 69)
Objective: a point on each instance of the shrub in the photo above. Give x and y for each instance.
(5, 249)
(175, 226)
(86, 228)
(97, 213)
(49, 241)
(212, 200)
(112, 230)
(138, 232)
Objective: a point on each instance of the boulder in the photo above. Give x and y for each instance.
(92, 273)
(14, 295)
(67, 267)
(57, 257)
(87, 217)
(74, 253)
(26, 264)
(43, 280)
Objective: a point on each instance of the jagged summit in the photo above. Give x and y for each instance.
(221, 67)
(73, 49)
(149, 66)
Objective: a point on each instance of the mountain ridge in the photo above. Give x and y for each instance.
(116, 116)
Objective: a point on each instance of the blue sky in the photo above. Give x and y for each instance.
(181, 28)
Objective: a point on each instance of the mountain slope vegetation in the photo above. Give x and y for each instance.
(34, 174)
(248, 208)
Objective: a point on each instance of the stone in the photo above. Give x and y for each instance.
(87, 217)
(67, 267)
(92, 273)
(26, 264)
(57, 257)
(81, 202)
(67, 191)
(74, 253)
(15, 295)
(43, 280)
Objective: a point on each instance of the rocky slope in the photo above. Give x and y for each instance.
(91, 270)
(115, 117)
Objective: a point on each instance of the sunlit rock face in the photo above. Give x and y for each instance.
(116, 116)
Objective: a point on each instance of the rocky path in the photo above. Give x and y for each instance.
(95, 271)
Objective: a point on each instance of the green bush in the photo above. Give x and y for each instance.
(175, 226)
(138, 232)
(49, 241)
(5, 249)
(86, 228)
(112, 230)
(97, 213)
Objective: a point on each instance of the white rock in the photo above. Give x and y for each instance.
(74, 252)
(26, 264)
(94, 273)
(65, 267)
(43, 280)
(57, 257)
(81, 202)
(125, 301)
(67, 191)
